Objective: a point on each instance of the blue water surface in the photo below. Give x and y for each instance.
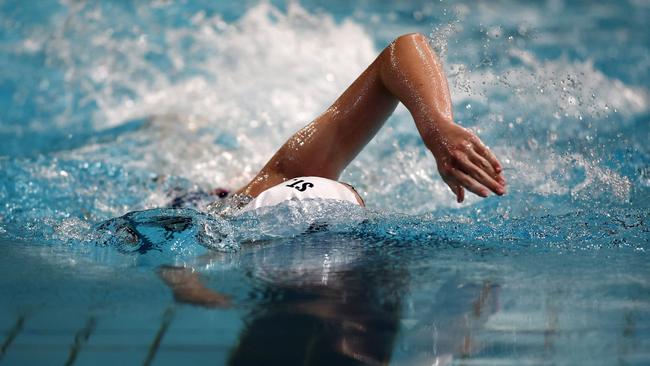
(112, 110)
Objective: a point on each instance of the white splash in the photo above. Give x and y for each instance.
(254, 82)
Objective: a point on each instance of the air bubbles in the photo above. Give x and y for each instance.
(571, 100)
(198, 18)
(32, 45)
(525, 30)
(495, 31)
(100, 73)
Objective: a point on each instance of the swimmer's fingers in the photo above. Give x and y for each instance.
(460, 194)
(469, 183)
(481, 176)
(457, 189)
(482, 163)
(487, 154)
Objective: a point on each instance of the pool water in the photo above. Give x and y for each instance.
(110, 110)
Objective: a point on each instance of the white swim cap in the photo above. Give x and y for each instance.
(302, 188)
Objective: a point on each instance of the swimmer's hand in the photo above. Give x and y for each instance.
(464, 162)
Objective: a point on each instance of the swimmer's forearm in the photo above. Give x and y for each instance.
(411, 71)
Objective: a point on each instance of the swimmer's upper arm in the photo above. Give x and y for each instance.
(328, 144)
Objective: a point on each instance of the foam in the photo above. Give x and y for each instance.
(560, 174)
(257, 80)
(218, 97)
(242, 92)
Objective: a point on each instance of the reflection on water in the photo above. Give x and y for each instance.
(340, 311)
(342, 298)
(318, 298)
(338, 300)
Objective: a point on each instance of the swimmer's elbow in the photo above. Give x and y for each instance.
(405, 45)
(410, 38)
(408, 41)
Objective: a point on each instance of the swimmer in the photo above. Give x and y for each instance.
(309, 164)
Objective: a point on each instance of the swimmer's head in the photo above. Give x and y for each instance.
(360, 200)
(305, 188)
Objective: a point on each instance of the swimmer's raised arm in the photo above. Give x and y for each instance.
(407, 71)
